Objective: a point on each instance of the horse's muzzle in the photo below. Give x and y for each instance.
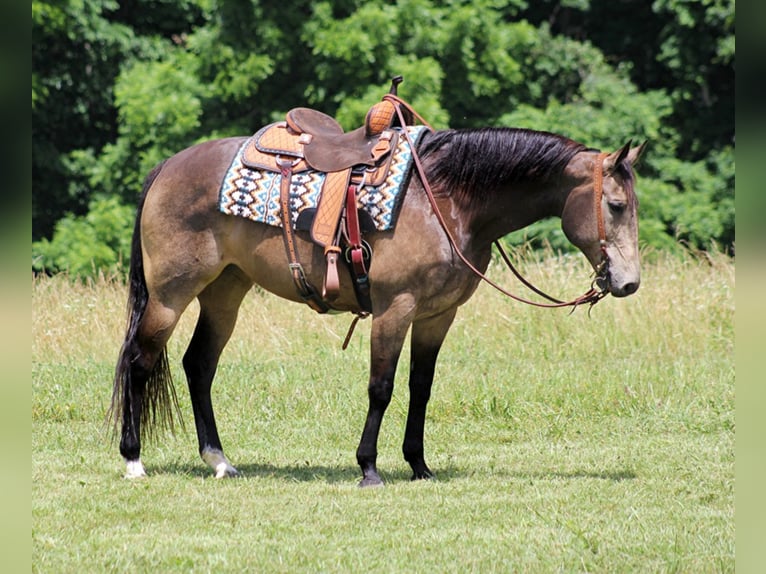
(618, 289)
(607, 282)
(625, 290)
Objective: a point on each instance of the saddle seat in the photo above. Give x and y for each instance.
(319, 139)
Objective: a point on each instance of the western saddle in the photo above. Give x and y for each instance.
(310, 140)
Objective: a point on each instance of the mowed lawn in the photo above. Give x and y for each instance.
(561, 443)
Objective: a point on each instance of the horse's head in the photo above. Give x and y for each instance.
(600, 216)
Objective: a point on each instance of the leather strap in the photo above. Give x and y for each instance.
(355, 253)
(598, 192)
(354, 234)
(331, 288)
(305, 289)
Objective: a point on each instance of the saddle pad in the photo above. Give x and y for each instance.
(254, 194)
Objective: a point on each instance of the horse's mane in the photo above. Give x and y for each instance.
(473, 162)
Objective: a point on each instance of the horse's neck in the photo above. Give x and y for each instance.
(513, 208)
(501, 179)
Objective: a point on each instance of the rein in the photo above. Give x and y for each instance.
(592, 296)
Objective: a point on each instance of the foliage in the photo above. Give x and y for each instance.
(85, 246)
(691, 203)
(116, 87)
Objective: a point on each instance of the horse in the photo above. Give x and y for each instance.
(473, 187)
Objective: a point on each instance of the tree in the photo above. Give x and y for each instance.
(78, 49)
(75, 57)
(684, 48)
(87, 245)
(116, 87)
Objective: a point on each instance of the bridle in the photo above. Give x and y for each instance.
(591, 297)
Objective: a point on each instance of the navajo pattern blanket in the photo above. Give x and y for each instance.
(254, 194)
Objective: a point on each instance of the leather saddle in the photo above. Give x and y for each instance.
(320, 143)
(311, 140)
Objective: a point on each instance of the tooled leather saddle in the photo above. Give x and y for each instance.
(311, 140)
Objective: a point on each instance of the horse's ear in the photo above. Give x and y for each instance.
(634, 155)
(614, 159)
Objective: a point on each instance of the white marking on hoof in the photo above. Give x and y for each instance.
(225, 470)
(219, 463)
(134, 469)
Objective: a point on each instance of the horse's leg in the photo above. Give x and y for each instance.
(219, 304)
(427, 337)
(144, 363)
(387, 337)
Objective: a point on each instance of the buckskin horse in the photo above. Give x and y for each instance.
(468, 189)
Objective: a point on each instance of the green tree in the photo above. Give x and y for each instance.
(116, 87)
(87, 245)
(74, 52)
(683, 47)
(78, 49)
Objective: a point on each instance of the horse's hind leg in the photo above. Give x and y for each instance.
(219, 304)
(145, 382)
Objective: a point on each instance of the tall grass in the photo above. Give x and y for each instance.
(560, 442)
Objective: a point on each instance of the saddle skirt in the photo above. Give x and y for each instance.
(251, 185)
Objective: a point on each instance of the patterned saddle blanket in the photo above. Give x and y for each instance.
(254, 194)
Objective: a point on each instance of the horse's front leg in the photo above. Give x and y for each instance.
(427, 338)
(386, 340)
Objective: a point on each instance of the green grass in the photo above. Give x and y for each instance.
(561, 443)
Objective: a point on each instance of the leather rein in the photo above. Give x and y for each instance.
(591, 297)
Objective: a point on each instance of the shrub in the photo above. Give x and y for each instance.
(85, 246)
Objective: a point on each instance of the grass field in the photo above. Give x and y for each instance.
(561, 443)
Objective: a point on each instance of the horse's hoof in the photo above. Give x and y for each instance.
(224, 470)
(219, 463)
(428, 475)
(370, 482)
(134, 469)
(420, 471)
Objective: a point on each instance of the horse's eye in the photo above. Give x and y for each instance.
(617, 207)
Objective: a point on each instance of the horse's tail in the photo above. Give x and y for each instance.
(159, 397)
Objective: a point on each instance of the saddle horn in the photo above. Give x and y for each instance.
(409, 119)
(395, 81)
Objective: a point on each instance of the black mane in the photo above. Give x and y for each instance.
(473, 162)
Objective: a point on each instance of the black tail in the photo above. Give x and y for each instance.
(159, 399)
